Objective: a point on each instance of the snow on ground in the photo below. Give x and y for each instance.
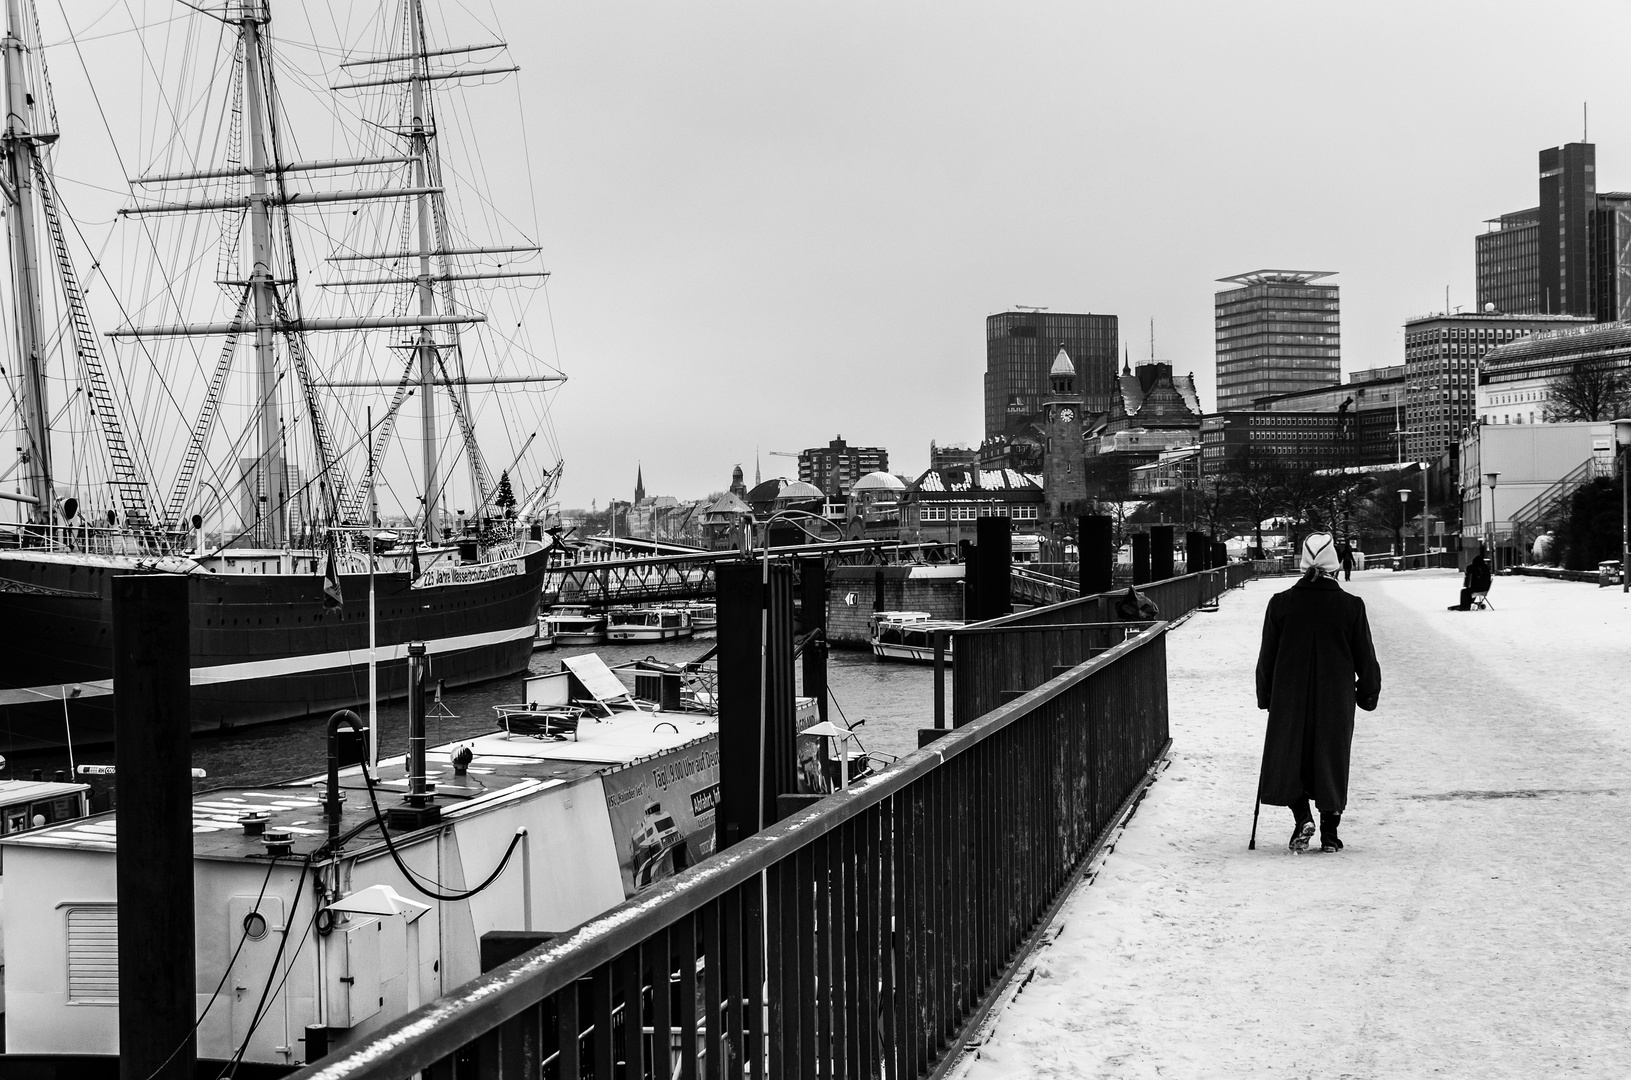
(1475, 926)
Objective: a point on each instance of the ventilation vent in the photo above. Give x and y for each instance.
(93, 955)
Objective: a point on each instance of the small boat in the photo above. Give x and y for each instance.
(908, 635)
(704, 614)
(545, 637)
(648, 624)
(576, 624)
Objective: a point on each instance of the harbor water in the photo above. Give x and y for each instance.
(885, 701)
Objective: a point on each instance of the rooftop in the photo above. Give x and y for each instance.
(503, 768)
(1277, 277)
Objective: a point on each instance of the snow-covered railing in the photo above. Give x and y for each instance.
(864, 936)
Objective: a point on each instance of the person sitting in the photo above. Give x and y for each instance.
(1475, 582)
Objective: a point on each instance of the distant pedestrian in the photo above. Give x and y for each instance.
(1345, 558)
(1475, 582)
(1316, 663)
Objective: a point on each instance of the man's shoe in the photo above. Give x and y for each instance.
(1300, 835)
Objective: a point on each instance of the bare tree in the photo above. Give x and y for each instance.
(1592, 392)
(1256, 480)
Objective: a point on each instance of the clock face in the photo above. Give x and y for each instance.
(1067, 415)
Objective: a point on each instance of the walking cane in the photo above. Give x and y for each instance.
(1256, 808)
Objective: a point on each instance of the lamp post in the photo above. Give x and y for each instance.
(1404, 497)
(1622, 437)
(1494, 552)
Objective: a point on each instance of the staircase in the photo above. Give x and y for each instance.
(1550, 504)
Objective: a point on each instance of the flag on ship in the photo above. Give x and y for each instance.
(331, 580)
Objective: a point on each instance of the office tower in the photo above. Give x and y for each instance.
(1442, 355)
(1276, 334)
(1020, 347)
(1568, 195)
(1571, 255)
(1508, 256)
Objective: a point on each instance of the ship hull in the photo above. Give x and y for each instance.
(263, 647)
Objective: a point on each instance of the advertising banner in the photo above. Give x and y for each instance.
(469, 574)
(662, 813)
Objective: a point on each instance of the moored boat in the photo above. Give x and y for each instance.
(647, 624)
(258, 480)
(909, 635)
(576, 624)
(704, 613)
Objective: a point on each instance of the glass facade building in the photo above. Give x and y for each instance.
(1020, 347)
(1571, 255)
(1509, 263)
(1568, 195)
(1277, 333)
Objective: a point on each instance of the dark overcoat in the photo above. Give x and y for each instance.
(1317, 662)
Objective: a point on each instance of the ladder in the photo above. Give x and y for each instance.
(126, 478)
(183, 488)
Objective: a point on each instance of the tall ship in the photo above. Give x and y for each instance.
(309, 339)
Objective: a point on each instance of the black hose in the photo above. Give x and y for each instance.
(412, 878)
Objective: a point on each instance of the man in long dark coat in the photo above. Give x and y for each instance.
(1317, 662)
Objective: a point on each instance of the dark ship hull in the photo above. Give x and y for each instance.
(264, 647)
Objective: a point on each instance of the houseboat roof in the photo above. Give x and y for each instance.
(502, 769)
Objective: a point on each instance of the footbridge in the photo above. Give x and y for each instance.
(689, 575)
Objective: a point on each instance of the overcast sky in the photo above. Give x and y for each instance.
(769, 224)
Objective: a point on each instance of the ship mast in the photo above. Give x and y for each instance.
(271, 479)
(21, 150)
(420, 152)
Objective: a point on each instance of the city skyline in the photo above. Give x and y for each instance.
(765, 225)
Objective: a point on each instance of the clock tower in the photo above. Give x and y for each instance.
(1064, 479)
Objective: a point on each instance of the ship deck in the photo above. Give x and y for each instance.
(503, 768)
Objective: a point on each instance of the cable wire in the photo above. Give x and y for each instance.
(224, 974)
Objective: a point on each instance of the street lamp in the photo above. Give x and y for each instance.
(1494, 552)
(1404, 497)
(1622, 436)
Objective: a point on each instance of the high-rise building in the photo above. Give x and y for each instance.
(1019, 350)
(1611, 256)
(834, 467)
(1276, 334)
(1508, 256)
(1568, 195)
(1441, 359)
(1571, 255)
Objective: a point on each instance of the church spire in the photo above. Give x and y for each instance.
(1126, 359)
(639, 485)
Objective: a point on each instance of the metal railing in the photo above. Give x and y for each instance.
(997, 659)
(861, 937)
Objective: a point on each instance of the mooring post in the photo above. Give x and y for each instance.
(154, 862)
(813, 623)
(993, 535)
(1141, 558)
(1197, 552)
(1096, 554)
(1160, 552)
(739, 597)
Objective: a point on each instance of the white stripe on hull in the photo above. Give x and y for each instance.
(218, 674)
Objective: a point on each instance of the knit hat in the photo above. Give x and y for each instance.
(1319, 551)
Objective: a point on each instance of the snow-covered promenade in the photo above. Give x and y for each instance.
(1479, 922)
